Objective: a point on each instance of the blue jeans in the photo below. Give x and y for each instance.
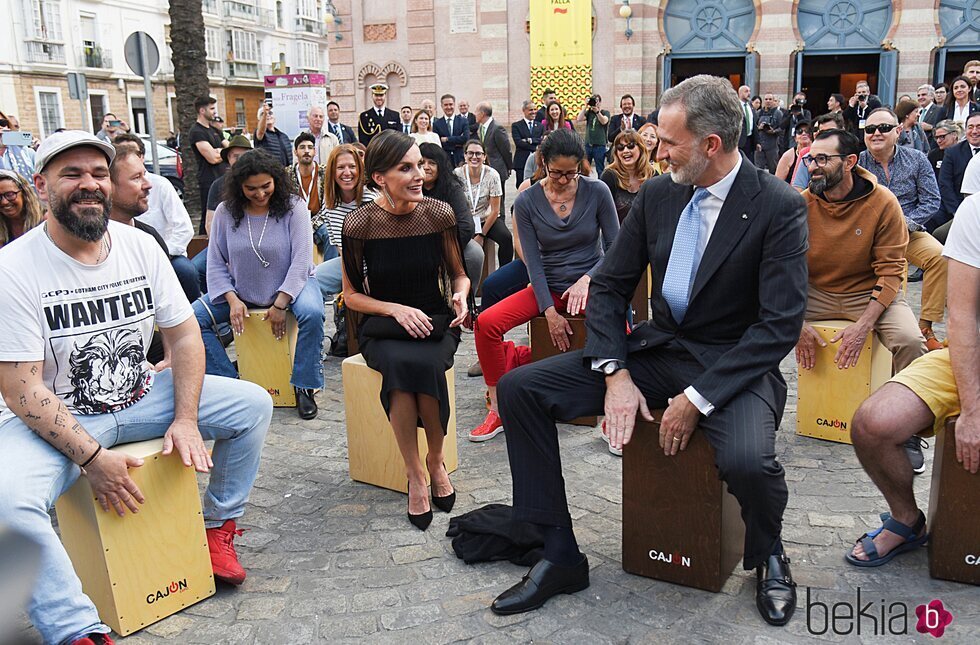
(188, 276)
(200, 262)
(321, 237)
(308, 309)
(596, 155)
(505, 281)
(236, 414)
(329, 278)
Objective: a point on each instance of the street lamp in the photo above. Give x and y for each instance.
(626, 11)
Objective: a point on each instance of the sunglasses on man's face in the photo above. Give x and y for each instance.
(883, 128)
(625, 146)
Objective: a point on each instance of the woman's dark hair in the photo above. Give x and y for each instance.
(562, 143)
(474, 142)
(446, 181)
(384, 152)
(950, 99)
(257, 162)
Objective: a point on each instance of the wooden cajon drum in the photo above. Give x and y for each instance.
(266, 361)
(489, 262)
(542, 347)
(143, 567)
(372, 453)
(828, 397)
(641, 299)
(680, 524)
(197, 244)
(317, 256)
(954, 532)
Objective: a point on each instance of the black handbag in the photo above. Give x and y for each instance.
(387, 328)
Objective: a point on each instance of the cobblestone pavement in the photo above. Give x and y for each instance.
(333, 561)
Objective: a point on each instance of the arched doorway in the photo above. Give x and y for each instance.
(842, 46)
(959, 21)
(709, 37)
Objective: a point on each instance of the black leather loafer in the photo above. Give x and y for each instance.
(544, 580)
(775, 591)
(305, 404)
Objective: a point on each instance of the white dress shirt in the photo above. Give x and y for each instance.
(710, 209)
(166, 213)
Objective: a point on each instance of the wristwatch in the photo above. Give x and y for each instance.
(611, 367)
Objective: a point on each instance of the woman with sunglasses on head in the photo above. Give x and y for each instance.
(958, 103)
(648, 132)
(561, 219)
(20, 209)
(555, 118)
(484, 190)
(404, 277)
(260, 256)
(629, 169)
(790, 160)
(443, 184)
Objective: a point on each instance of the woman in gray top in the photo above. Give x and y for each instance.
(560, 220)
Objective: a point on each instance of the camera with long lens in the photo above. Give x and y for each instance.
(593, 101)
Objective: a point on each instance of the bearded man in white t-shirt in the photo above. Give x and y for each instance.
(919, 399)
(81, 296)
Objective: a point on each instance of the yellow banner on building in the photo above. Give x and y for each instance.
(561, 50)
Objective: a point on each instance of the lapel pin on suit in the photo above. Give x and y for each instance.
(745, 215)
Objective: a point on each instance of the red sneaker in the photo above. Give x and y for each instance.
(224, 559)
(94, 639)
(490, 428)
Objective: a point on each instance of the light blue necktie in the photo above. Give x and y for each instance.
(681, 266)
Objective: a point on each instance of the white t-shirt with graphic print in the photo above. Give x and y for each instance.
(90, 325)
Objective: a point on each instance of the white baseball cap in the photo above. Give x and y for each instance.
(59, 142)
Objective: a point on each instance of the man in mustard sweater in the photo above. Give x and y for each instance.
(858, 240)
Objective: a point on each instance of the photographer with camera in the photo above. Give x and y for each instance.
(596, 121)
(768, 134)
(796, 115)
(858, 108)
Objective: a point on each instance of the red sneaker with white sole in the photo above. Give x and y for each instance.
(490, 428)
(224, 558)
(94, 639)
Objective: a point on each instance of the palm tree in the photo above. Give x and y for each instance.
(190, 81)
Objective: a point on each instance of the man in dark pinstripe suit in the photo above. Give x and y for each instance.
(729, 293)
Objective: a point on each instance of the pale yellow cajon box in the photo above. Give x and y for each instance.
(372, 452)
(265, 361)
(828, 397)
(143, 567)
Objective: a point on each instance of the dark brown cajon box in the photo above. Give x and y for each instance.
(954, 526)
(542, 347)
(680, 524)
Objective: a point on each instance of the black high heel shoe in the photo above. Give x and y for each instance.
(422, 520)
(445, 504)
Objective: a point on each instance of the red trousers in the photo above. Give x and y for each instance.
(497, 357)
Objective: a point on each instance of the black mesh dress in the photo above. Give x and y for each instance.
(410, 260)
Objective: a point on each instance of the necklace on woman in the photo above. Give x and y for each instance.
(255, 249)
(562, 205)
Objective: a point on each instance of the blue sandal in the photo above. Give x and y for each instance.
(909, 533)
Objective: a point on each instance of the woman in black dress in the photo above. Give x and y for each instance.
(404, 280)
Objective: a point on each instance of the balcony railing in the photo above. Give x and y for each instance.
(96, 58)
(310, 26)
(243, 70)
(45, 52)
(249, 13)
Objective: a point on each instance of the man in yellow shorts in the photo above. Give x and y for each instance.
(920, 398)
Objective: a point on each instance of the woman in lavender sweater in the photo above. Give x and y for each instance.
(261, 256)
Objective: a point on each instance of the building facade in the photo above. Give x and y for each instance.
(424, 48)
(244, 40)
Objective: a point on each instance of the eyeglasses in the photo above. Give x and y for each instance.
(557, 174)
(474, 154)
(883, 128)
(820, 160)
(9, 196)
(625, 146)
(942, 136)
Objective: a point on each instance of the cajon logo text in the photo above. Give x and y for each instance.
(832, 423)
(175, 586)
(675, 558)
